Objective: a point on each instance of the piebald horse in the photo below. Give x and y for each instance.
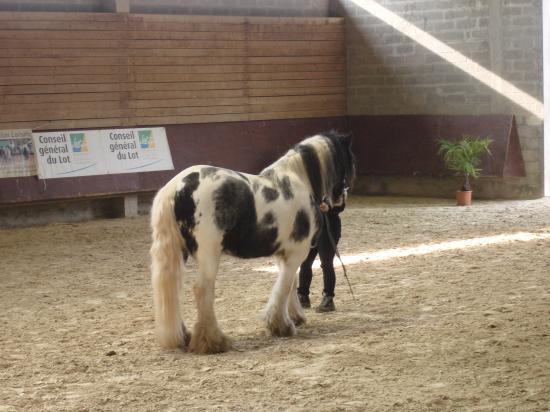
(206, 211)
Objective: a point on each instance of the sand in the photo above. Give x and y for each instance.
(449, 327)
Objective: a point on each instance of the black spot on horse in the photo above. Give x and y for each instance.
(226, 203)
(301, 227)
(268, 219)
(184, 209)
(209, 171)
(286, 188)
(235, 214)
(270, 194)
(269, 173)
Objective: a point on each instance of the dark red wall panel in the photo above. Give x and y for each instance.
(244, 146)
(406, 145)
(384, 145)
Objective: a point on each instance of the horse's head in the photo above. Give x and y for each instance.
(343, 162)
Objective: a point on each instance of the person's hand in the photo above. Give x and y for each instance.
(324, 207)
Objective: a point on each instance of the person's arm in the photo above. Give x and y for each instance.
(336, 208)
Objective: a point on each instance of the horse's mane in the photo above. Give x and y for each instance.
(317, 160)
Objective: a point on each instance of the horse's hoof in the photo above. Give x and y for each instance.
(282, 330)
(186, 338)
(209, 343)
(298, 320)
(211, 346)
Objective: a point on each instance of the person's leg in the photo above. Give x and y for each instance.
(326, 254)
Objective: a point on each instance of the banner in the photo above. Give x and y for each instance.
(136, 150)
(96, 152)
(67, 154)
(16, 153)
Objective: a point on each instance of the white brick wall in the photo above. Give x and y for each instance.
(389, 73)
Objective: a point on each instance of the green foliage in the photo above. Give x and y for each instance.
(463, 156)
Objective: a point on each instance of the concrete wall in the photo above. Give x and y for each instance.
(546, 54)
(390, 73)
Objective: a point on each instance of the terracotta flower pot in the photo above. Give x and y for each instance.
(463, 197)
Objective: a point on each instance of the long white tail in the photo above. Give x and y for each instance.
(166, 268)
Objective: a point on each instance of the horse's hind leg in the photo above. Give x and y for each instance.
(166, 279)
(207, 336)
(277, 317)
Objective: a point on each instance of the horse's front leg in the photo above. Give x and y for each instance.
(295, 309)
(277, 317)
(207, 336)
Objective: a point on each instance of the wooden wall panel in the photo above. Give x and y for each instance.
(87, 70)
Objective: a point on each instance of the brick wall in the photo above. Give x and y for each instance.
(389, 73)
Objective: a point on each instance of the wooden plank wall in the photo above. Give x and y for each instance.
(90, 70)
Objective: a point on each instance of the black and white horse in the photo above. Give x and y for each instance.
(206, 211)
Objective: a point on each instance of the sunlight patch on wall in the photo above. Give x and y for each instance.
(419, 250)
(454, 57)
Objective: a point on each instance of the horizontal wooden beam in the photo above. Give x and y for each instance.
(67, 70)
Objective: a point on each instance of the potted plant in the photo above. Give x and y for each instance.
(463, 157)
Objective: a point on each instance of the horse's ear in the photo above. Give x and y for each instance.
(346, 139)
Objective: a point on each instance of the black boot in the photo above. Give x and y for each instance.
(304, 301)
(327, 304)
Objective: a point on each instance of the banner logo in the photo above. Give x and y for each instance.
(146, 139)
(79, 142)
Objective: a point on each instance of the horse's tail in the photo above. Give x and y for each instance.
(166, 268)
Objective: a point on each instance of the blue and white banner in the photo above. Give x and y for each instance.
(97, 152)
(136, 150)
(66, 154)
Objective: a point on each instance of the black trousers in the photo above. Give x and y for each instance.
(326, 255)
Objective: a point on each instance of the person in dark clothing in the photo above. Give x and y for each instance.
(326, 251)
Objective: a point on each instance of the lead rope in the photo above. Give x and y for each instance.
(333, 243)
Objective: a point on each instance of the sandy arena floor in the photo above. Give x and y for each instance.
(440, 328)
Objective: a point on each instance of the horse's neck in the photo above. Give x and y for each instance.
(277, 172)
(292, 166)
